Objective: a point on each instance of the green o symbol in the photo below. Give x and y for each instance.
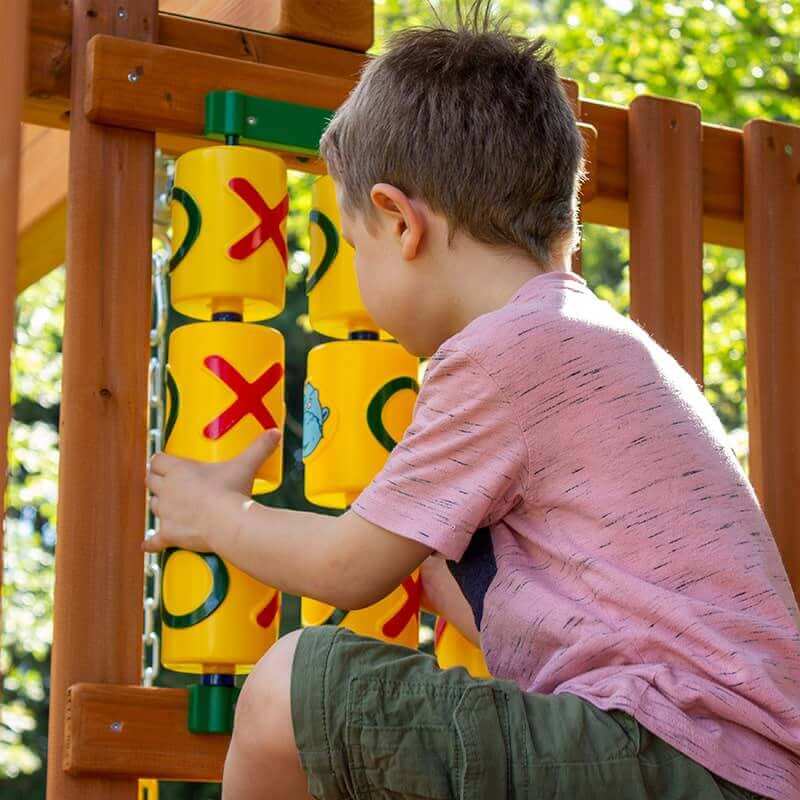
(220, 579)
(378, 403)
(174, 401)
(331, 247)
(183, 198)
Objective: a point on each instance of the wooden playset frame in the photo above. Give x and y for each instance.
(125, 78)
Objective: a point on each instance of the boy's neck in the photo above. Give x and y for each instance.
(487, 278)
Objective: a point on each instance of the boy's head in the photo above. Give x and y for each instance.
(472, 130)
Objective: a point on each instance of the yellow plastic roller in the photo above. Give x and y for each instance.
(357, 403)
(229, 211)
(334, 301)
(224, 388)
(216, 619)
(453, 649)
(395, 619)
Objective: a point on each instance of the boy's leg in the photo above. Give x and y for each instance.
(262, 760)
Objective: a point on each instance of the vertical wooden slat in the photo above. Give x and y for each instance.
(666, 225)
(772, 252)
(101, 503)
(13, 37)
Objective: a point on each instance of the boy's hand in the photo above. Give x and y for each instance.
(195, 501)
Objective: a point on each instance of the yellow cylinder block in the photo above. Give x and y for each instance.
(453, 649)
(229, 211)
(224, 388)
(357, 403)
(334, 301)
(216, 619)
(395, 619)
(148, 789)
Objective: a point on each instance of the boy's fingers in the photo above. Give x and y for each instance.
(161, 462)
(154, 505)
(154, 482)
(152, 544)
(261, 449)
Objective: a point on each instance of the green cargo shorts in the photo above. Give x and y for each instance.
(375, 721)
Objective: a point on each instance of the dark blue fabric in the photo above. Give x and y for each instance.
(476, 571)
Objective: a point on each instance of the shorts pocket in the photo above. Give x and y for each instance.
(402, 762)
(482, 769)
(398, 739)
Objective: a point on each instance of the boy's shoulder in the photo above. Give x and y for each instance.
(527, 332)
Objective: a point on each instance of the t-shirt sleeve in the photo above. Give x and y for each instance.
(461, 465)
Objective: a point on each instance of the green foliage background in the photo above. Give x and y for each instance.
(737, 60)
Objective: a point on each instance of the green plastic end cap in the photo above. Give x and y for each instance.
(211, 708)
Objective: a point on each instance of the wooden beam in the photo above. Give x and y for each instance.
(97, 626)
(42, 246)
(13, 40)
(153, 87)
(48, 104)
(772, 252)
(129, 731)
(42, 203)
(666, 197)
(341, 23)
(722, 175)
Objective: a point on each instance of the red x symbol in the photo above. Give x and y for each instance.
(268, 228)
(267, 614)
(248, 396)
(394, 625)
(441, 626)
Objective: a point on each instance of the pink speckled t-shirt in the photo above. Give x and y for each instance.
(606, 537)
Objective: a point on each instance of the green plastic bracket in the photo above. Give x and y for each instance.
(271, 124)
(211, 708)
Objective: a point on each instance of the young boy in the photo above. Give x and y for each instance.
(631, 602)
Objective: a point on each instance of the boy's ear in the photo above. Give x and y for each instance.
(404, 217)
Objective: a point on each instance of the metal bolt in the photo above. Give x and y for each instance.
(788, 150)
(116, 727)
(135, 74)
(251, 120)
(122, 13)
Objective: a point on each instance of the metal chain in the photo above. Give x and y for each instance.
(151, 655)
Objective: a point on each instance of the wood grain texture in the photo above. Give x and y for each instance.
(170, 86)
(666, 235)
(101, 504)
(48, 104)
(772, 252)
(129, 731)
(42, 203)
(342, 23)
(13, 41)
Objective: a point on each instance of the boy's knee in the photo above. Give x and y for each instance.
(264, 709)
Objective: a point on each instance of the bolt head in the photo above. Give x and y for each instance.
(251, 120)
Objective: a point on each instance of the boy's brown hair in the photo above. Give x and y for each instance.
(474, 121)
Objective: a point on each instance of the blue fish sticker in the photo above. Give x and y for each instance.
(314, 417)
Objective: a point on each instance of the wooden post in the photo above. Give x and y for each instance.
(13, 39)
(101, 504)
(665, 191)
(772, 251)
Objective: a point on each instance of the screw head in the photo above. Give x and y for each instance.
(122, 13)
(251, 120)
(134, 75)
(116, 727)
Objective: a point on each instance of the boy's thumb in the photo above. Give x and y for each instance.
(259, 451)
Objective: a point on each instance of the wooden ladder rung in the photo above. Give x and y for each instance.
(133, 732)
